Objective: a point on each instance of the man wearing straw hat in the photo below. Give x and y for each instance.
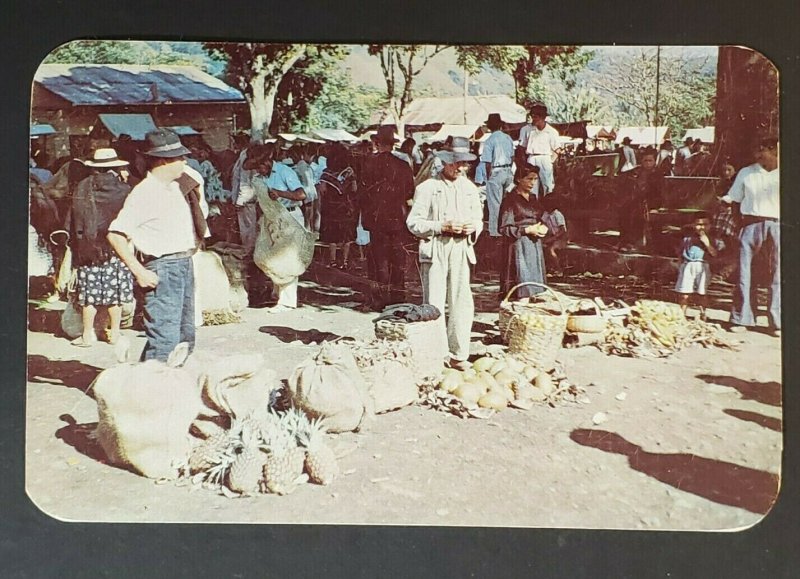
(446, 216)
(160, 222)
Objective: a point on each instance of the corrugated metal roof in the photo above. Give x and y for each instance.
(643, 135)
(451, 111)
(42, 129)
(135, 125)
(127, 84)
(706, 134)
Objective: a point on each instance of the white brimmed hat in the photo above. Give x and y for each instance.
(105, 158)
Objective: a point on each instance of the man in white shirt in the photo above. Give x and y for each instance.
(157, 219)
(542, 147)
(446, 215)
(756, 191)
(628, 156)
(497, 158)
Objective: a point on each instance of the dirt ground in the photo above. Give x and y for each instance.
(691, 442)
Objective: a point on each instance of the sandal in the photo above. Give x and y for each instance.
(333, 265)
(345, 265)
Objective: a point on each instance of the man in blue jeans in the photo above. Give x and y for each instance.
(157, 220)
(756, 193)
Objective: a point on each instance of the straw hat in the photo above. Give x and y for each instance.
(105, 158)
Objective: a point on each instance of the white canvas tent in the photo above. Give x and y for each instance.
(335, 135)
(467, 131)
(706, 134)
(643, 136)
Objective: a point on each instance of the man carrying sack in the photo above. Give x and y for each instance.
(164, 223)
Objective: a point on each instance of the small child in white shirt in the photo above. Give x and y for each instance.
(556, 239)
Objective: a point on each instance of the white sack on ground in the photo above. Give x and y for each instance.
(211, 286)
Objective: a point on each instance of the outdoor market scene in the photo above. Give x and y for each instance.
(508, 286)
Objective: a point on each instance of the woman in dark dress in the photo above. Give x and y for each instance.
(338, 210)
(520, 224)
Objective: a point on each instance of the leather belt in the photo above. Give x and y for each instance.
(145, 259)
(500, 166)
(540, 154)
(750, 219)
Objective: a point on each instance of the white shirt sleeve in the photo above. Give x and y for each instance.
(736, 192)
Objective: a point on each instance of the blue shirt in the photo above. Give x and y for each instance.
(498, 150)
(283, 178)
(693, 249)
(317, 167)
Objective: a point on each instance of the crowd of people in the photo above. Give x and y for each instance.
(158, 206)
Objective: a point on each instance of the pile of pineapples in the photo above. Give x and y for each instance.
(267, 452)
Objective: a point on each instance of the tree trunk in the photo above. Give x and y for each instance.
(260, 110)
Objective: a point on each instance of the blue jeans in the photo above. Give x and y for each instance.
(754, 240)
(496, 186)
(169, 308)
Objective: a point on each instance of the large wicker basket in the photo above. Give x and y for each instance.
(587, 323)
(428, 341)
(533, 331)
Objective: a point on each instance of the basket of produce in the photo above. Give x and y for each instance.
(423, 328)
(509, 309)
(586, 319)
(535, 332)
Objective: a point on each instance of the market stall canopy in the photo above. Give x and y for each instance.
(41, 130)
(706, 134)
(137, 125)
(600, 132)
(466, 131)
(472, 110)
(184, 130)
(335, 135)
(643, 135)
(129, 84)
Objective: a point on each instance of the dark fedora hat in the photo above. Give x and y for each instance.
(539, 110)
(164, 143)
(385, 135)
(493, 120)
(626, 141)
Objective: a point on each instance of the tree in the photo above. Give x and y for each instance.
(257, 69)
(121, 52)
(686, 89)
(401, 64)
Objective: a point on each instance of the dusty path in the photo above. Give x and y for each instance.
(691, 442)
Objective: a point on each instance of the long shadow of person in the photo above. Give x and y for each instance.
(288, 335)
(70, 373)
(775, 424)
(763, 392)
(715, 480)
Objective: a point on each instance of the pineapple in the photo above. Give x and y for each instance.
(320, 462)
(284, 463)
(246, 470)
(208, 452)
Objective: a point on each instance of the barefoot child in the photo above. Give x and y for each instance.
(556, 239)
(695, 273)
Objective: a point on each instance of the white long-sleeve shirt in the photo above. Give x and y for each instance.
(758, 191)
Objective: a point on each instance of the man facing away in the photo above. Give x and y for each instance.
(497, 157)
(446, 215)
(388, 184)
(756, 193)
(158, 220)
(542, 148)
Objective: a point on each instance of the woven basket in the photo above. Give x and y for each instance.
(428, 341)
(509, 309)
(587, 324)
(534, 334)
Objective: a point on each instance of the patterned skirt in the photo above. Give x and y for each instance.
(106, 284)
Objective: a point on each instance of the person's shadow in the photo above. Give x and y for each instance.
(763, 392)
(288, 335)
(70, 373)
(722, 482)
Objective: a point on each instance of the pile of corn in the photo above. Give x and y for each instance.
(659, 329)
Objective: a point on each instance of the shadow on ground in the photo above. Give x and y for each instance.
(763, 392)
(766, 421)
(81, 437)
(722, 482)
(287, 335)
(70, 373)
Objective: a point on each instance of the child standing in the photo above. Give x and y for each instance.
(695, 273)
(556, 239)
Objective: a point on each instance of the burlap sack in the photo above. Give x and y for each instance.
(234, 259)
(237, 385)
(211, 286)
(330, 385)
(284, 249)
(391, 385)
(145, 412)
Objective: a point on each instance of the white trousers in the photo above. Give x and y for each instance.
(545, 164)
(445, 282)
(287, 293)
